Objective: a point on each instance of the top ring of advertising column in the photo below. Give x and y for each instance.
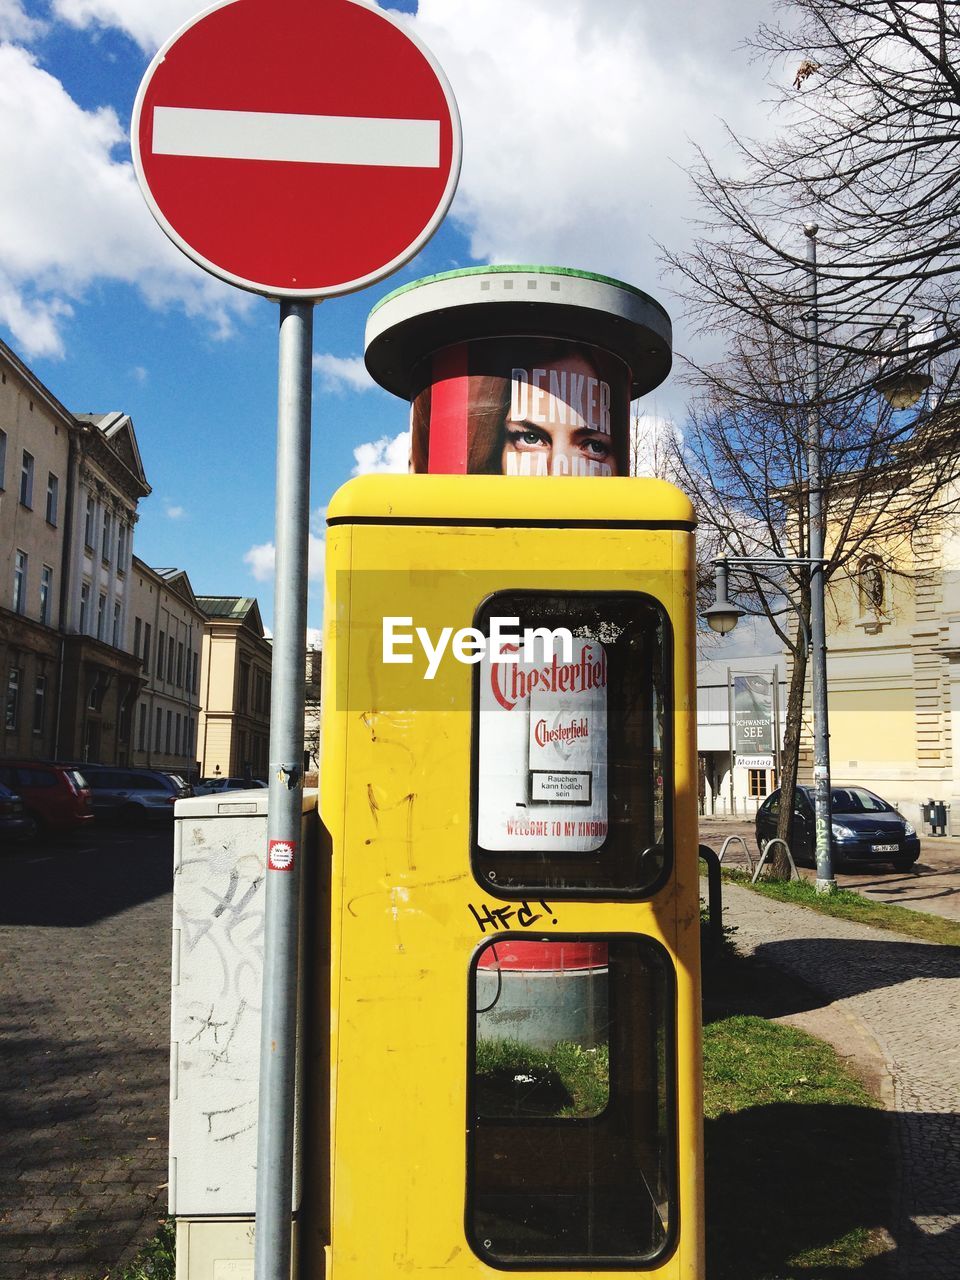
(519, 370)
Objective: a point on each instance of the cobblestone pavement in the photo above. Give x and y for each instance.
(906, 996)
(84, 1050)
(933, 885)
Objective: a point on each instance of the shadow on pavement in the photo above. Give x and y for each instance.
(850, 967)
(789, 1179)
(79, 880)
(83, 1158)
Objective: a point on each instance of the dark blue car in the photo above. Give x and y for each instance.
(865, 829)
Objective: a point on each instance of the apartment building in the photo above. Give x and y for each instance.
(35, 455)
(235, 666)
(101, 677)
(167, 633)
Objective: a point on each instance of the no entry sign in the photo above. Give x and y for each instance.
(299, 149)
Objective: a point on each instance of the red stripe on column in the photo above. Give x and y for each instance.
(449, 390)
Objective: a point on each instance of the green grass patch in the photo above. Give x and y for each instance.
(514, 1079)
(798, 1158)
(854, 906)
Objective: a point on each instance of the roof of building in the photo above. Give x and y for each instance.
(226, 606)
(116, 431)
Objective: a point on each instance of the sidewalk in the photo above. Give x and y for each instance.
(901, 999)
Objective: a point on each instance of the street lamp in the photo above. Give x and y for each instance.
(901, 389)
(826, 881)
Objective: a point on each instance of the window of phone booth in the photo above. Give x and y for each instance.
(572, 745)
(571, 1148)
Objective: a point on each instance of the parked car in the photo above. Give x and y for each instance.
(16, 824)
(228, 784)
(866, 829)
(133, 795)
(55, 795)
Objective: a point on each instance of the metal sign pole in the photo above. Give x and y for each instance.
(278, 1027)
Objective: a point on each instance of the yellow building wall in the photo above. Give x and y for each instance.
(872, 727)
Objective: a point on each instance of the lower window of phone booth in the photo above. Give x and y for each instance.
(571, 1149)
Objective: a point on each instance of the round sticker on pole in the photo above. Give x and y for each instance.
(281, 855)
(300, 150)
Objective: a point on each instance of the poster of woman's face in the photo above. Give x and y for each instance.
(522, 406)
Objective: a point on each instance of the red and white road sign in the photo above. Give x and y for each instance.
(299, 149)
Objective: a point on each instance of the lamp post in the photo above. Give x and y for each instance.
(902, 389)
(826, 881)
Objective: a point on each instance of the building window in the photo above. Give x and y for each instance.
(188, 745)
(12, 714)
(3, 459)
(161, 647)
(53, 498)
(46, 590)
(84, 606)
(757, 782)
(146, 647)
(177, 735)
(158, 731)
(20, 582)
(142, 728)
(195, 685)
(107, 538)
(26, 480)
(101, 615)
(180, 665)
(121, 547)
(116, 624)
(171, 658)
(244, 685)
(90, 523)
(137, 628)
(169, 738)
(39, 703)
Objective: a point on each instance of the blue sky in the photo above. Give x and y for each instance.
(577, 124)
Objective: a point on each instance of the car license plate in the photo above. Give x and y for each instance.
(884, 848)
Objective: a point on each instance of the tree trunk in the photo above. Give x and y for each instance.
(779, 867)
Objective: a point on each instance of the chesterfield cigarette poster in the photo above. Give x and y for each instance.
(542, 768)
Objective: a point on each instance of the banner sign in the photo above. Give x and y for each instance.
(522, 406)
(753, 731)
(542, 772)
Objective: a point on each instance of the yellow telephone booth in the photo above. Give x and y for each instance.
(509, 787)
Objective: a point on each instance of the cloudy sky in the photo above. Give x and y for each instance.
(577, 121)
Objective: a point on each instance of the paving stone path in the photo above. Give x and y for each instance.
(84, 1053)
(905, 997)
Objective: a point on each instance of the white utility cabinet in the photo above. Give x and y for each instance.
(218, 919)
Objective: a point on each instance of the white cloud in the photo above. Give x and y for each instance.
(148, 22)
(577, 121)
(261, 560)
(388, 454)
(75, 215)
(15, 24)
(575, 118)
(173, 512)
(653, 441)
(342, 373)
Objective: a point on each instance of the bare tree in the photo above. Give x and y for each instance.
(868, 93)
(886, 484)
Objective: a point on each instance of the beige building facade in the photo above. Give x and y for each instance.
(235, 667)
(893, 639)
(166, 634)
(35, 454)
